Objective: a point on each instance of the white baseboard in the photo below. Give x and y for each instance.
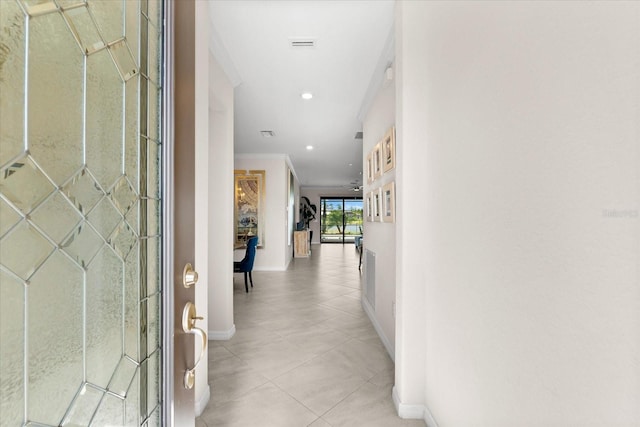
(414, 412)
(372, 316)
(222, 335)
(269, 268)
(201, 403)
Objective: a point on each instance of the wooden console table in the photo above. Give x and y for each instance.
(301, 244)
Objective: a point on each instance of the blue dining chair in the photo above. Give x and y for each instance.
(246, 265)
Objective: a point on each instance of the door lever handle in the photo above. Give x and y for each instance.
(189, 326)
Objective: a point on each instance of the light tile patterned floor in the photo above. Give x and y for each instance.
(305, 352)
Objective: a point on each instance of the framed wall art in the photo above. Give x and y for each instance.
(376, 201)
(369, 168)
(376, 158)
(389, 150)
(368, 208)
(249, 206)
(388, 202)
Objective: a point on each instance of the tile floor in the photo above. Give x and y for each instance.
(305, 352)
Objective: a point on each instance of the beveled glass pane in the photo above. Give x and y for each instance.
(82, 244)
(110, 412)
(23, 250)
(133, 218)
(105, 93)
(153, 265)
(84, 29)
(24, 184)
(56, 217)
(104, 289)
(12, 39)
(131, 131)
(124, 60)
(36, 7)
(123, 195)
(154, 54)
(55, 361)
(83, 191)
(132, 402)
(11, 350)
(123, 239)
(105, 217)
(154, 419)
(109, 17)
(153, 386)
(153, 212)
(153, 173)
(55, 97)
(83, 407)
(153, 11)
(154, 108)
(144, 44)
(153, 322)
(131, 304)
(8, 217)
(132, 25)
(122, 378)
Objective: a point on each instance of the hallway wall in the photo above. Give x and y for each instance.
(380, 237)
(518, 297)
(276, 253)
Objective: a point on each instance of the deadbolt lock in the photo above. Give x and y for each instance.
(189, 276)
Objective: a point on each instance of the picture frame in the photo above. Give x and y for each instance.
(376, 158)
(376, 203)
(389, 150)
(389, 202)
(368, 212)
(369, 168)
(248, 215)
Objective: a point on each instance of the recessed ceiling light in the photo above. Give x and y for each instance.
(309, 147)
(350, 164)
(306, 95)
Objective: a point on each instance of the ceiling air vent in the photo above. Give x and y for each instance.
(302, 42)
(358, 135)
(267, 133)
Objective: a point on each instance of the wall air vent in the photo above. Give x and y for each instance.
(358, 135)
(302, 43)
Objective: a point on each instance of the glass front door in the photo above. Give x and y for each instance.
(340, 219)
(80, 244)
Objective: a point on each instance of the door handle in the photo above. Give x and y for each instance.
(189, 326)
(189, 276)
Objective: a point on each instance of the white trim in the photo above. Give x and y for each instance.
(371, 313)
(222, 335)
(412, 412)
(201, 404)
(269, 268)
(387, 57)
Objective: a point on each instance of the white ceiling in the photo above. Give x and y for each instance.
(251, 40)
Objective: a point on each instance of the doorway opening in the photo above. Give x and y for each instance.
(340, 219)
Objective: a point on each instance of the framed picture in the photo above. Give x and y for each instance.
(368, 207)
(376, 158)
(389, 150)
(369, 168)
(249, 206)
(376, 201)
(389, 202)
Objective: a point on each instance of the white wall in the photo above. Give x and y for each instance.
(220, 235)
(314, 194)
(519, 297)
(379, 237)
(276, 253)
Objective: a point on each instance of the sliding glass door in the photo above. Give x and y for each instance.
(340, 219)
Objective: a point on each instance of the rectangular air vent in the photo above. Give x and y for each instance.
(302, 42)
(358, 135)
(267, 133)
